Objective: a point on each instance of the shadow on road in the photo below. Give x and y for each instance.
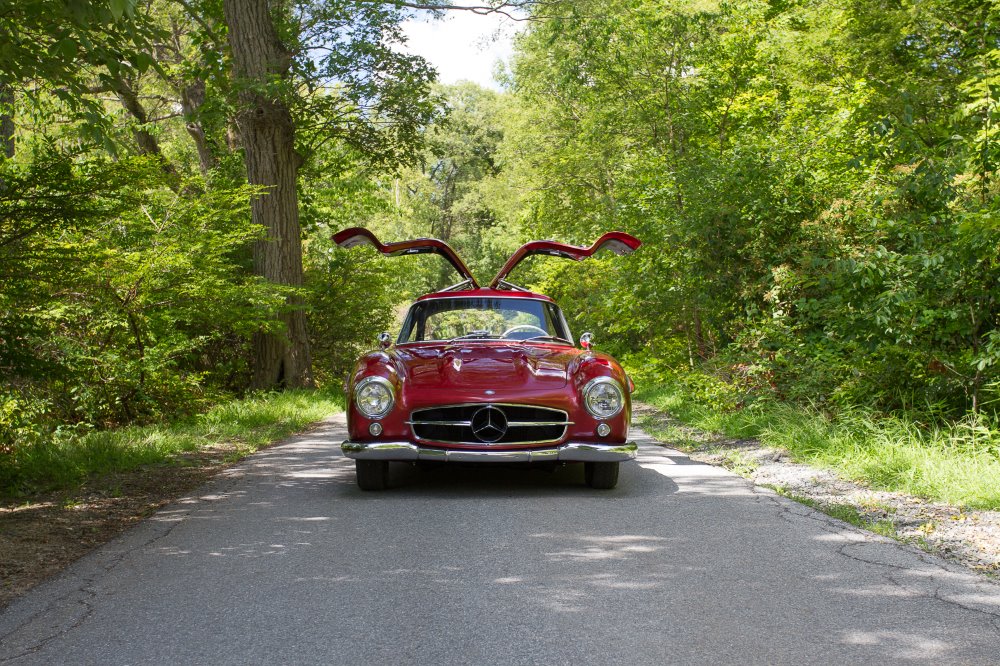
(285, 558)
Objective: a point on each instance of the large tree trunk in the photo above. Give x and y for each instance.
(267, 134)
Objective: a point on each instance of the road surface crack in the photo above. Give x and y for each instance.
(45, 640)
(88, 583)
(993, 614)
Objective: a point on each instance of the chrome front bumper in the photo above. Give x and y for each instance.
(568, 452)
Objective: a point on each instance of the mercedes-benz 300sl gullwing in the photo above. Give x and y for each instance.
(487, 375)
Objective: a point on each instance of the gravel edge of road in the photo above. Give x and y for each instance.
(970, 538)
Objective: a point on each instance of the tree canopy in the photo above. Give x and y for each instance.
(814, 183)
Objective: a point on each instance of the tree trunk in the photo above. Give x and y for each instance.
(192, 97)
(6, 120)
(699, 336)
(267, 134)
(148, 145)
(190, 89)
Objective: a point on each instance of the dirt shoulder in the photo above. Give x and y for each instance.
(971, 538)
(41, 535)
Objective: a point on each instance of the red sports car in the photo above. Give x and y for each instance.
(487, 374)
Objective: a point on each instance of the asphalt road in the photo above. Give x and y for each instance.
(284, 560)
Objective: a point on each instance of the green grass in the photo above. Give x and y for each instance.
(64, 461)
(737, 462)
(957, 463)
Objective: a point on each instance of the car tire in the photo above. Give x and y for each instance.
(372, 474)
(601, 475)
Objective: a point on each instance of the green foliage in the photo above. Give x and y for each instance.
(350, 295)
(351, 300)
(351, 81)
(454, 192)
(67, 457)
(126, 287)
(814, 183)
(957, 463)
(122, 300)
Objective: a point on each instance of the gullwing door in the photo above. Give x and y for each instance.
(618, 242)
(360, 236)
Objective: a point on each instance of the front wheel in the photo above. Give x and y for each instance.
(372, 474)
(601, 475)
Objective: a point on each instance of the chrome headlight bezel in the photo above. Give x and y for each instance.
(600, 381)
(382, 382)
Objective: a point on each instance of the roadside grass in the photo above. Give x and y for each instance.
(737, 462)
(956, 463)
(67, 459)
(844, 512)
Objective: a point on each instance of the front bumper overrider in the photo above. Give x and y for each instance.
(568, 452)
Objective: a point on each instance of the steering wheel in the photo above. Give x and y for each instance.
(527, 328)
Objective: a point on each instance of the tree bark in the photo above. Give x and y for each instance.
(192, 97)
(699, 336)
(191, 90)
(148, 145)
(6, 120)
(267, 134)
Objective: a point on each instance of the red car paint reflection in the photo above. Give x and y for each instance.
(487, 374)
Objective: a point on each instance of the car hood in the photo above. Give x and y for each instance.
(486, 365)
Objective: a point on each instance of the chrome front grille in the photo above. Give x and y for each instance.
(492, 424)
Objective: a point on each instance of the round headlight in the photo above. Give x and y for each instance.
(602, 396)
(373, 397)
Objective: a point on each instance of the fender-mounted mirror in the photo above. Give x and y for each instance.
(384, 340)
(586, 340)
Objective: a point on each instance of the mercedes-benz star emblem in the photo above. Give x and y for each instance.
(489, 424)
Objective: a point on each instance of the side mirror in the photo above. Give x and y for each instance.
(586, 340)
(384, 340)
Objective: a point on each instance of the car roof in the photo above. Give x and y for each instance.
(485, 292)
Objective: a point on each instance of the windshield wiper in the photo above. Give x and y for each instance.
(548, 337)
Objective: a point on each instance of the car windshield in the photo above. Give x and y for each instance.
(485, 319)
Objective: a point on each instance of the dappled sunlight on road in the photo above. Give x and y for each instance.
(911, 573)
(689, 475)
(901, 644)
(601, 548)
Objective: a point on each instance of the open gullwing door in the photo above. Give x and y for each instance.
(361, 236)
(618, 242)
